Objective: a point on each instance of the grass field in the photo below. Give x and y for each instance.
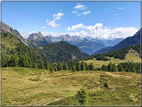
(27, 86)
(130, 56)
(99, 63)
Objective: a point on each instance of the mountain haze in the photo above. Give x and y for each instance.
(129, 41)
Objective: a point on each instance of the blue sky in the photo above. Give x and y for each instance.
(95, 19)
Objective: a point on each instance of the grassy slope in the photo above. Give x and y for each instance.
(26, 86)
(132, 55)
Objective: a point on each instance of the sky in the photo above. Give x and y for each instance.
(104, 20)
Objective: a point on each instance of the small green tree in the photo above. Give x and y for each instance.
(42, 65)
(134, 70)
(114, 68)
(73, 69)
(60, 66)
(121, 68)
(109, 67)
(51, 69)
(78, 66)
(82, 96)
(65, 67)
(91, 66)
(86, 66)
(82, 65)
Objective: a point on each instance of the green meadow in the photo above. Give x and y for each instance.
(28, 86)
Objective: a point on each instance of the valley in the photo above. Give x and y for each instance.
(70, 70)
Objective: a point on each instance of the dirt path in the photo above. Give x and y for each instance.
(117, 75)
(50, 101)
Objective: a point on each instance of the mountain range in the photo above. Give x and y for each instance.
(62, 48)
(14, 46)
(129, 41)
(86, 45)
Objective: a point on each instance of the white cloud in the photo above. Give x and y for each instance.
(78, 26)
(75, 27)
(98, 31)
(120, 8)
(80, 7)
(84, 13)
(56, 17)
(53, 24)
(87, 12)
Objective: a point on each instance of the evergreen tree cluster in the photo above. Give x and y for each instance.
(121, 67)
(82, 66)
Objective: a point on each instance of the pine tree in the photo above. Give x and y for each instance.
(104, 67)
(82, 96)
(48, 66)
(35, 65)
(65, 67)
(86, 66)
(30, 62)
(4, 61)
(60, 67)
(91, 66)
(26, 61)
(8, 58)
(82, 65)
(121, 68)
(134, 70)
(51, 69)
(73, 69)
(12, 61)
(41, 65)
(78, 66)
(109, 67)
(114, 68)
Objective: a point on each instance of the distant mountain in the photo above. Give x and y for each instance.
(37, 39)
(66, 37)
(129, 41)
(103, 50)
(112, 42)
(83, 44)
(35, 36)
(60, 52)
(106, 42)
(5, 28)
(89, 47)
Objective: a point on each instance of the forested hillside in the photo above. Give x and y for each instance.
(16, 53)
(60, 52)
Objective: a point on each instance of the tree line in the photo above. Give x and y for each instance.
(121, 67)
